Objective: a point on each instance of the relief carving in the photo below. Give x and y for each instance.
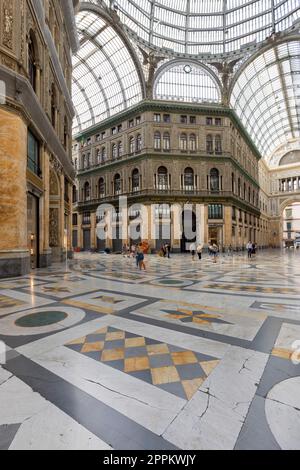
(54, 227)
(8, 24)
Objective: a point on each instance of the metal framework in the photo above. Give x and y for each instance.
(130, 46)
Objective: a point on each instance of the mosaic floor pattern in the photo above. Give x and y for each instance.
(189, 355)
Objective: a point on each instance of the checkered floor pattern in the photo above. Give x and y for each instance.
(189, 316)
(173, 369)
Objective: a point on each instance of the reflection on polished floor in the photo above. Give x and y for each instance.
(189, 355)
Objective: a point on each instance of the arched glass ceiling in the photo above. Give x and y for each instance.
(105, 79)
(266, 97)
(205, 26)
(187, 82)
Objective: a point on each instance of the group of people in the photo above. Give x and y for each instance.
(251, 249)
(165, 251)
(196, 249)
(137, 252)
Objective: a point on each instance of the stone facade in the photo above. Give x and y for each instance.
(208, 161)
(36, 112)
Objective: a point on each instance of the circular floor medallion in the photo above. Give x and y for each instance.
(36, 320)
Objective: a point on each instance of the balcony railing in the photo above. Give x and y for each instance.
(168, 193)
(174, 151)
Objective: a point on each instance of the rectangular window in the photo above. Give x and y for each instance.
(103, 135)
(157, 118)
(138, 121)
(215, 211)
(120, 128)
(75, 220)
(33, 154)
(183, 119)
(218, 122)
(86, 218)
(131, 123)
(209, 121)
(192, 119)
(167, 118)
(114, 131)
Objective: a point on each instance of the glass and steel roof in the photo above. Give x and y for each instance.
(266, 97)
(112, 68)
(186, 82)
(105, 79)
(204, 26)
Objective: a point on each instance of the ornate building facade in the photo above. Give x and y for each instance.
(37, 38)
(160, 154)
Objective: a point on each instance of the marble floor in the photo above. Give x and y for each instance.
(187, 355)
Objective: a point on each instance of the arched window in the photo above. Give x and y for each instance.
(218, 144)
(87, 192)
(135, 180)
(193, 142)
(214, 180)
(101, 188)
(139, 143)
(103, 154)
(32, 61)
(167, 141)
(209, 144)
(157, 141)
(117, 184)
(239, 188)
(162, 178)
(120, 149)
(233, 183)
(84, 161)
(114, 151)
(131, 145)
(183, 142)
(188, 179)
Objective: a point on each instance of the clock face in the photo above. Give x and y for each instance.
(187, 68)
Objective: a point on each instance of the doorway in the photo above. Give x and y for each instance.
(33, 236)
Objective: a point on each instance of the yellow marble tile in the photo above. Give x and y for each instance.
(134, 342)
(115, 335)
(157, 349)
(78, 341)
(113, 354)
(201, 322)
(134, 364)
(164, 375)
(208, 366)
(184, 357)
(89, 347)
(282, 353)
(191, 386)
(94, 308)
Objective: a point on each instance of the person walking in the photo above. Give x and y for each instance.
(193, 250)
(141, 258)
(168, 250)
(215, 251)
(249, 249)
(199, 250)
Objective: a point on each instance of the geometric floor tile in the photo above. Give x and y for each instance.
(173, 369)
(190, 316)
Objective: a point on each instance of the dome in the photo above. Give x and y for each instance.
(196, 27)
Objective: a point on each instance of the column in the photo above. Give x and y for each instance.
(14, 253)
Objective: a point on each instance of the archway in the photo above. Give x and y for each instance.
(290, 223)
